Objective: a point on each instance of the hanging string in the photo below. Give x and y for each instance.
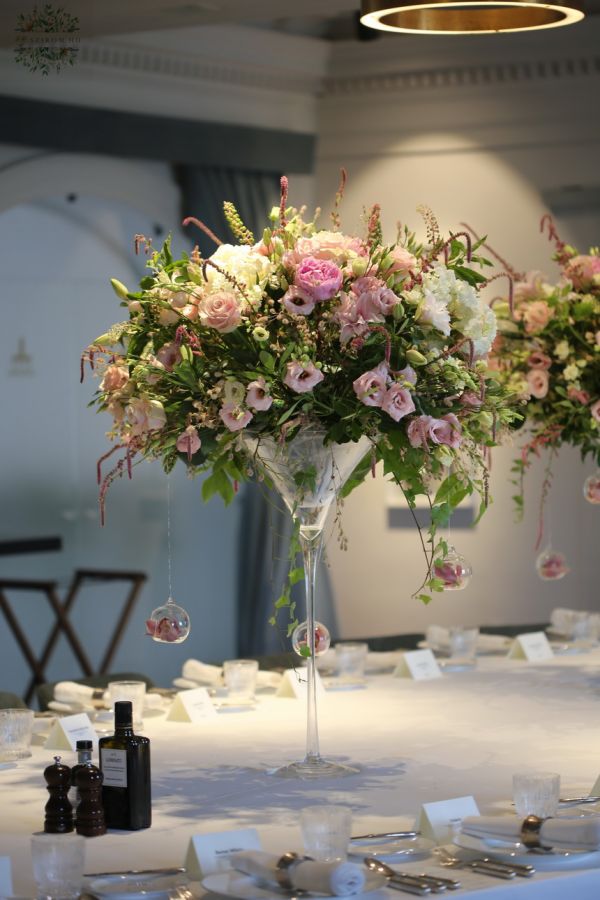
(169, 536)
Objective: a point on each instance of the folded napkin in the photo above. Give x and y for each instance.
(577, 623)
(73, 694)
(199, 673)
(439, 637)
(569, 834)
(338, 878)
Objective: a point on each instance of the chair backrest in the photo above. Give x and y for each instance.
(45, 692)
(11, 701)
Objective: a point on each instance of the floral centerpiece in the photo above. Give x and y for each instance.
(303, 325)
(548, 353)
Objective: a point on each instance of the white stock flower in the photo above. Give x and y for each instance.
(571, 373)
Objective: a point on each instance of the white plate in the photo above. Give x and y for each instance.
(132, 886)
(243, 887)
(517, 853)
(481, 649)
(338, 684)
(392, 850)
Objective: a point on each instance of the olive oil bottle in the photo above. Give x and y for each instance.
(125, 764)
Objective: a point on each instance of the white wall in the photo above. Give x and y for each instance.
(478, 137)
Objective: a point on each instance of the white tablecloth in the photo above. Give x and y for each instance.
(465, 733)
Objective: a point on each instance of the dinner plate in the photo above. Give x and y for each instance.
(131, 886)
(392, 850)
(517, 853)
(244, 887)
(481, 649)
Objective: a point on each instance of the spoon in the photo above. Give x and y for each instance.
(437, 885)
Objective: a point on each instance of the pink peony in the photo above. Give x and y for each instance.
(234, 416)
(319, 278)
(298, 301)
(371, 387)
(348, 317)
(220, 311)
(595, 410)
(583, 271)
(398, 402)
(538, 381)
(574, 393)
(539, 360)
(169, 355)
(145, 415)
(257, 395)
(188, 442)
(536, 316)
(470, 398)
(115, 378)
(403, 262)
(302, 378)
(374, 301)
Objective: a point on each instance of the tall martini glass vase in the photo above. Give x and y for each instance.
(308, 474)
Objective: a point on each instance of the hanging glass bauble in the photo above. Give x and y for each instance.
(300, 639)
(168, 624)
(591, 488)
(453, 570)
(551, 565)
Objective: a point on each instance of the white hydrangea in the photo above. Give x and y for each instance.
(481, 328)
(250, 269)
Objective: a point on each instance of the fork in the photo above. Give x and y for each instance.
(482, 866)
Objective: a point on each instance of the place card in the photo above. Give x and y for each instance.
(208, 853)
(6, 888)
(532, 647)
(65, 732)
(437, 820)
(595, 789)
(192, 706)
(421, 665)
(294, 684)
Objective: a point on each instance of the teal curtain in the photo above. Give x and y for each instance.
(265, 525)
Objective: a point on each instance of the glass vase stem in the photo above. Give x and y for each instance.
(311, 541)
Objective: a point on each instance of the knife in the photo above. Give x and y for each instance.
(168, 871)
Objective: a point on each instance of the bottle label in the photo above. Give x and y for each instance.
(114, 767)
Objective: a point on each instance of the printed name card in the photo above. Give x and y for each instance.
(6, 888)
(65, 732)
(532, 647)
(421, 665)
(208, 853)
(294, 684)
(596, 788)
(437, 820)
(192, 706)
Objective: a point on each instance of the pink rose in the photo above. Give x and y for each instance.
(403, 262)
(302, 378)
(145, 415)
(538, 381)
(581, 270)
(398, 402)
(166, 629)
(374, 301)
(115, 378)
(234, 416)
(298, 301)
(539, 360)
(348, 317)
(169, 355)
(319, 278)
(257, 395)
(188, 442)
(220, 311)
(446, 431)
(553, 567)
(580, 396)
(331, 245)
(470, 398)
(595, 410)
(451, 575)
(536, 316)
(371, 387)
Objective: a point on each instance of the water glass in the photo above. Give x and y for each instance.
(239, 676)
(135, 691)
(16, 726)
(536, 793)
(326, 831)
(58, 864)
(350, 659)
(463, 646)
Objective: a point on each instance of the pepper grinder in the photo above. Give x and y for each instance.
(58, 810)
(90, 812)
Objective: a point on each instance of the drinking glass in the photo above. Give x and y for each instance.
(463, 646)
(58, 863)
(536, 793)
(326, 831)
(239, 676)
(135, 691)
(350, 659)
(16, 726)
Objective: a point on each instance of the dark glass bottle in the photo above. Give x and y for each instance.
(125, 764)
(84, 757)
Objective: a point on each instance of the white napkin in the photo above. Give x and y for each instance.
(338, 878)
(199, 673)
(439, 637)
(576, 834)
(72, 693)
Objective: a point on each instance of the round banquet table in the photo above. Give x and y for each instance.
(416, 742)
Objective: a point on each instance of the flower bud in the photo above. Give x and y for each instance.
(444, 455)
(359, 266)
(387, 262)
(415, 358)
(398, 311)
(267, 235)
(119, 288)
(485, 418)
(260, 334)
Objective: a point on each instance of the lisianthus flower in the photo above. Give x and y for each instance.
(470, 399)
(332, 245)
(578, 395)
(446, 430)
(435, 312)
(538, 382)
(169, 355)
(398, 402)
(583, 272)
(349, 318)
(371, 386)
(144, 415)
(595, 410)
(234, 416)
(403, 261)
(408, 374)
(319, 278)
(220, 311)
(298, 301)
(257, 395)
(374, 300)
(538, 360)
(529, 289)
(301, 377)
(115, 378)
(188, 442)
(536, 316)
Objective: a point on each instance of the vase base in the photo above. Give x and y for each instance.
(315, 767)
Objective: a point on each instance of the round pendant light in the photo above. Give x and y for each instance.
(467, 16)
